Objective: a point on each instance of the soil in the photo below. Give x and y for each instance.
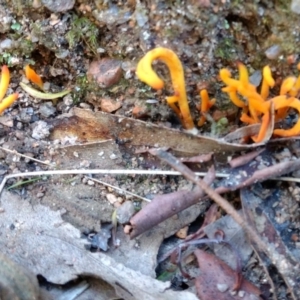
(68, 43)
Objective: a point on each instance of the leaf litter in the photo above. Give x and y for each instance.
(84, 140)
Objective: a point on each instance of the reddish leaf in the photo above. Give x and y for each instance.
(217, 280)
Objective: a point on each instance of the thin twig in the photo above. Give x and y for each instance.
(118, 189)
(25, 156)
(97, 171)
(118, 172)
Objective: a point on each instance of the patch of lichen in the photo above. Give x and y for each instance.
(82, 29)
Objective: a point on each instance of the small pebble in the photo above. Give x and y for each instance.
(241, 294)
(182, 233)
(113, 156)
(58, 5)
(109, 105)
(7, 121)
(125, 212)
(222, 287)
(41, 130)
(6, 44)
(68, 100)
(47, 109)
(111, 198)
(295, 6)
(273, 52)
(106, 72)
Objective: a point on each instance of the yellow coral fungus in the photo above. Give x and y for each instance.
(294, 103)
(206, 104)
(259, 106)
(34, 77)
(178, 102)
(5, 77)
(9, 100)
(268, 82)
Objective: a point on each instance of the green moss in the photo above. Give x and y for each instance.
(225, 49)
(82, 29)
(81, 89)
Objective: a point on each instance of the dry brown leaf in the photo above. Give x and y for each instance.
(88, 126)
(217, 280)
(233, 234)
(102, 155)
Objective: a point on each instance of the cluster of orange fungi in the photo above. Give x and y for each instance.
(257, 107)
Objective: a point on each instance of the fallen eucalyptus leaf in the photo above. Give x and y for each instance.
(46, 96)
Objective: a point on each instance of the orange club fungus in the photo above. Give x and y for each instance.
(178, 102)
(257, 107)
(34, 77)
(9, 100)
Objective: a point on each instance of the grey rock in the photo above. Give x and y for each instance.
(58, 5)
(125, 212)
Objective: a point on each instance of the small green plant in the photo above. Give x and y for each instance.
(21, 183)
(16, 26)
(83, 29)
(5, 58)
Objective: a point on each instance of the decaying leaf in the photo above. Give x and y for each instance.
(210, 216)
(217, 280)
(235, 236)
(261, 214)
(103, 155)
(16, 282)
(54, 249)
(88, 126)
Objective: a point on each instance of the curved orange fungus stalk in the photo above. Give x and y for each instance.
(257, 106)
(9, 100)
(178, 102)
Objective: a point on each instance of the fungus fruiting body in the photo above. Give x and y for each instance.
(34, 77)
(178, 102)
(206, 104)
(9, 100)
(257, 106)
